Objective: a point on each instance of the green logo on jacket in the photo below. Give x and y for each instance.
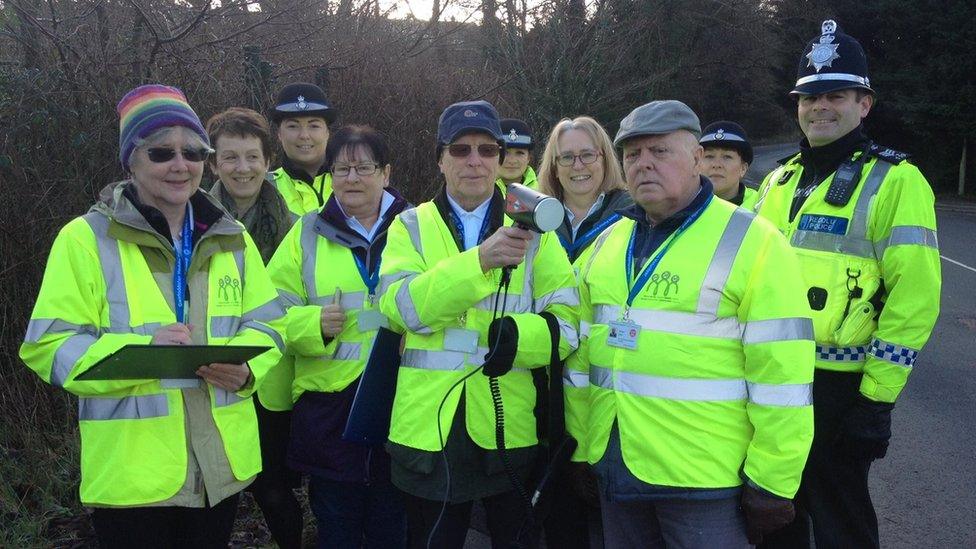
(229, 291)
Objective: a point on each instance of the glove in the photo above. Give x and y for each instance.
(866, 428)
(503, 345)
(584, 482)
(764, 513)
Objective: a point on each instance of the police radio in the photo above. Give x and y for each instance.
(846, 179)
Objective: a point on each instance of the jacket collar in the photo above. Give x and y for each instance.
(300, 174)
(637, 213)
(496, 213)
(331, 223)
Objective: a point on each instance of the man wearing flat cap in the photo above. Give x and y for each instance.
(700, 415)
(445, 286)
(861, 218)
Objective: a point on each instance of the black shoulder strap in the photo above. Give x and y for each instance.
(889, 155)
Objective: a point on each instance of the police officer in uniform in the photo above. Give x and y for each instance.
(728, 154)
(861, 219)
(517, 167)
(302, 116)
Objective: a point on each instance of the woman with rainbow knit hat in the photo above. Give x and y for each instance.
(158, 262)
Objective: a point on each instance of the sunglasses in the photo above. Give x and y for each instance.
(485, 150)
(158, 155)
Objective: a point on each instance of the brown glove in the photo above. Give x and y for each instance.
(764, 513)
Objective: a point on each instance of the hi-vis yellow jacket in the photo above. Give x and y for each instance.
(881, 246)
(529, 179)
(300, 197)
(720, 380)
(431, 288)
(108, 283)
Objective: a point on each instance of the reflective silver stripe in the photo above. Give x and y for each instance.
(575, 378)
(764, 394)
(855, 242)
(670, 388)
(39, 327)
(108, 256)
(130, 407)
(840, 354)
(347, 351)
(843, 76)
(510, 302)
(224, 326)
(348, 301)
(226, 398)
(309, 244)
(777, 329)
(411, 319)
(907, 235)
(673, 322)
(441, 360)
(239, 260)
(290, 299)
(720, 266)
(568, 333)
(271, 310)
(528, 276)
(411, 222)
(268, 331)
(895, 354)
(67, 356)
(387, 280)
(584, 329)
(562, 296)
(147, 329)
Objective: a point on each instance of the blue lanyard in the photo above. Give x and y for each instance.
(182, 253)
(584, 239)
(645, 275)
(371, 279)
(460, 226)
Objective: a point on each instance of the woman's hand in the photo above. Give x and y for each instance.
(229, 377)
(333, 319)
(173, 334)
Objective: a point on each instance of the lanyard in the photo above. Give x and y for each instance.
(371, 279)
(460, 226)
(182, 253)
(645, 275)
(584, 239)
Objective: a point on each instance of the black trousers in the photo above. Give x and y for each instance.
(508, 523)
(567, 525)
(272, 489)
(166, 527)
(834, 491)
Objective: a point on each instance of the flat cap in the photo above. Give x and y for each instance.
(658, 118)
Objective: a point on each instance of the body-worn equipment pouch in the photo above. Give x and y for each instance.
(857, 327)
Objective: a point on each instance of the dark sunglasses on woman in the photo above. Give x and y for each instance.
(158, 155)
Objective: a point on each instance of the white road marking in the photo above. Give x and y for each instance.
(963, 265)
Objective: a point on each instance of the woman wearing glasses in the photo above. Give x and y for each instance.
(327, 271)
(157, 262)
(241, 140)
(580, 168)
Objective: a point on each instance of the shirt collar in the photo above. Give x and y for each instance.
(354, 223)
(478, 213)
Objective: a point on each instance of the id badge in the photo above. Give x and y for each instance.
(370, 320)
(459, 339)
(623, 334)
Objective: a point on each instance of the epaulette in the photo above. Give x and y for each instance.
(783, 161)
(888, 155)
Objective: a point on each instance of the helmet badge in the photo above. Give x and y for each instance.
(301, 102)
(512, 135)
(824, 52)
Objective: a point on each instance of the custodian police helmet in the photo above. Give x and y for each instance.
(831, 61)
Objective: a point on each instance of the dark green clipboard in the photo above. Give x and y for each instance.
(166, 361)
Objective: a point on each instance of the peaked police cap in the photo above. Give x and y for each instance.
(832, 61)
(302, 99)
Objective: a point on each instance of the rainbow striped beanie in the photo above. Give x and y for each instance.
(149, 108)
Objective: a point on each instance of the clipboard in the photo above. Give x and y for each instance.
(167, 361)
(369, 418)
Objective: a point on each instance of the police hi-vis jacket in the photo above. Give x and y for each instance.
(109, 283)
(431, 289)
(300, 197)
(719, 382)
(881, 246)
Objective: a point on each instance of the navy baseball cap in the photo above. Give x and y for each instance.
(468, 117)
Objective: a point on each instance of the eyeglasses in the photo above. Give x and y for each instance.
(485, 150)
(586, 157)
(158, 155)
(368, 168)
